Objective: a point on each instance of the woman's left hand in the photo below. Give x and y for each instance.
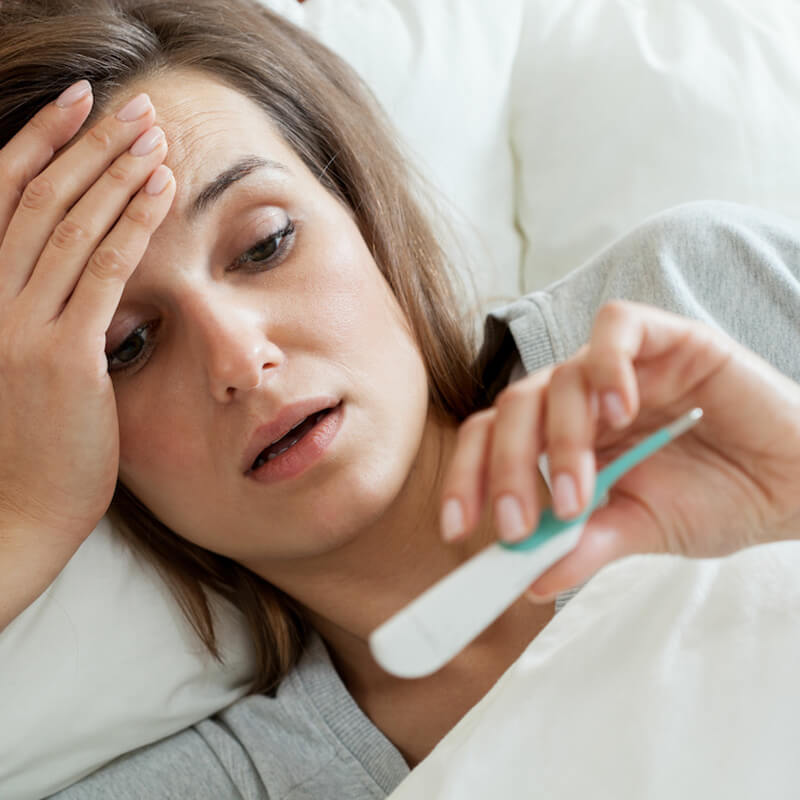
(731, 481)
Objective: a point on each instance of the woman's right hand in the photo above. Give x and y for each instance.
(72, 231)
(729, 482)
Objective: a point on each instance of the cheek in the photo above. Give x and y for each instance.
(349, 305)
(156, 449)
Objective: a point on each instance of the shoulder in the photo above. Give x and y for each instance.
(729, 265)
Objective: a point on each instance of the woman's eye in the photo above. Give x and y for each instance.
(268, 252)
(133, 350)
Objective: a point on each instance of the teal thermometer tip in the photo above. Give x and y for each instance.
(550, 525)
(425, 634)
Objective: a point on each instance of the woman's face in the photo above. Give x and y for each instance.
(258, 302)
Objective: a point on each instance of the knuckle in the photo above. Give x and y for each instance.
(68, 234)
(108, 263)
(139, 215)
(38, 193)
(562, 373)
(118, 173)
(605, 351)
(41, 125)
(459, 479)
(702, 332)
(99, 138)
(607, 366)
(613, 311)
(505, 466)
(513, 452)
(511, 394)
(608, 363)
(563, 441)
(582, 352)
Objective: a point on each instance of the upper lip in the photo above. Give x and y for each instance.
(287, 418)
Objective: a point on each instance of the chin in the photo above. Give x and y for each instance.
(345, 513)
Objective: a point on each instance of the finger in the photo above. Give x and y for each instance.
(47, 198)
(463, 487)
(29, 151)
(620, 529)
(99, 290)
(514, 457)
(77, 236)
(571, 426)
(618, 338)
(649, 358)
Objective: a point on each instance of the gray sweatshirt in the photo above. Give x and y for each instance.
(731, 266)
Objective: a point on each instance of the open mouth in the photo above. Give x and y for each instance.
(290, 439)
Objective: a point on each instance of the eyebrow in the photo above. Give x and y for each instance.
(241, 169)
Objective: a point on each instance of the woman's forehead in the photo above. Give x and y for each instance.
(208, 124)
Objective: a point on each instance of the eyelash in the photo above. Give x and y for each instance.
(282, 238)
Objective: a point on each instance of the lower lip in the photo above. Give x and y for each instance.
(310, 449)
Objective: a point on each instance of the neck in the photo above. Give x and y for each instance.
(354, 586)
(348, 592)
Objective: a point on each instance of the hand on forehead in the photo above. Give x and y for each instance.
(208, 126)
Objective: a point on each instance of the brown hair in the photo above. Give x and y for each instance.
(329, 118)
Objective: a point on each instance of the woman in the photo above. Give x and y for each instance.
(222, 310)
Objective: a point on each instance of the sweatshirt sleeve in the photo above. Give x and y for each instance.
(732, 266)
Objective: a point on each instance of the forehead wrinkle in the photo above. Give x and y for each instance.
(193, 136)
(208, 125)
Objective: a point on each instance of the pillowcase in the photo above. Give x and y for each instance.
(101, 663)
(622, 108)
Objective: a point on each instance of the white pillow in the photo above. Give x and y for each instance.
(443, 71)
(103, 662)
(623, 108)
(662, 678)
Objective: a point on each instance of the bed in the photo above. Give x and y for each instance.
(547, 128)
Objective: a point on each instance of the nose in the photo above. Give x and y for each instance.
(231, 341)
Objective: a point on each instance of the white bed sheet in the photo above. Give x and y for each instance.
(663, 678)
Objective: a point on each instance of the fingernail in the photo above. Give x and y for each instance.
(509, 520)
(452, 520)
(74, 93)
(565, 495)
(158, 180)
(147, 142)
(615, 409)
(136, 108)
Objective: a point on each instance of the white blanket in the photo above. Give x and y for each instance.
(663, 678)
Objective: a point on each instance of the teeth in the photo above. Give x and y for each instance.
(282, 450)
(288, 432)
(261, 460)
